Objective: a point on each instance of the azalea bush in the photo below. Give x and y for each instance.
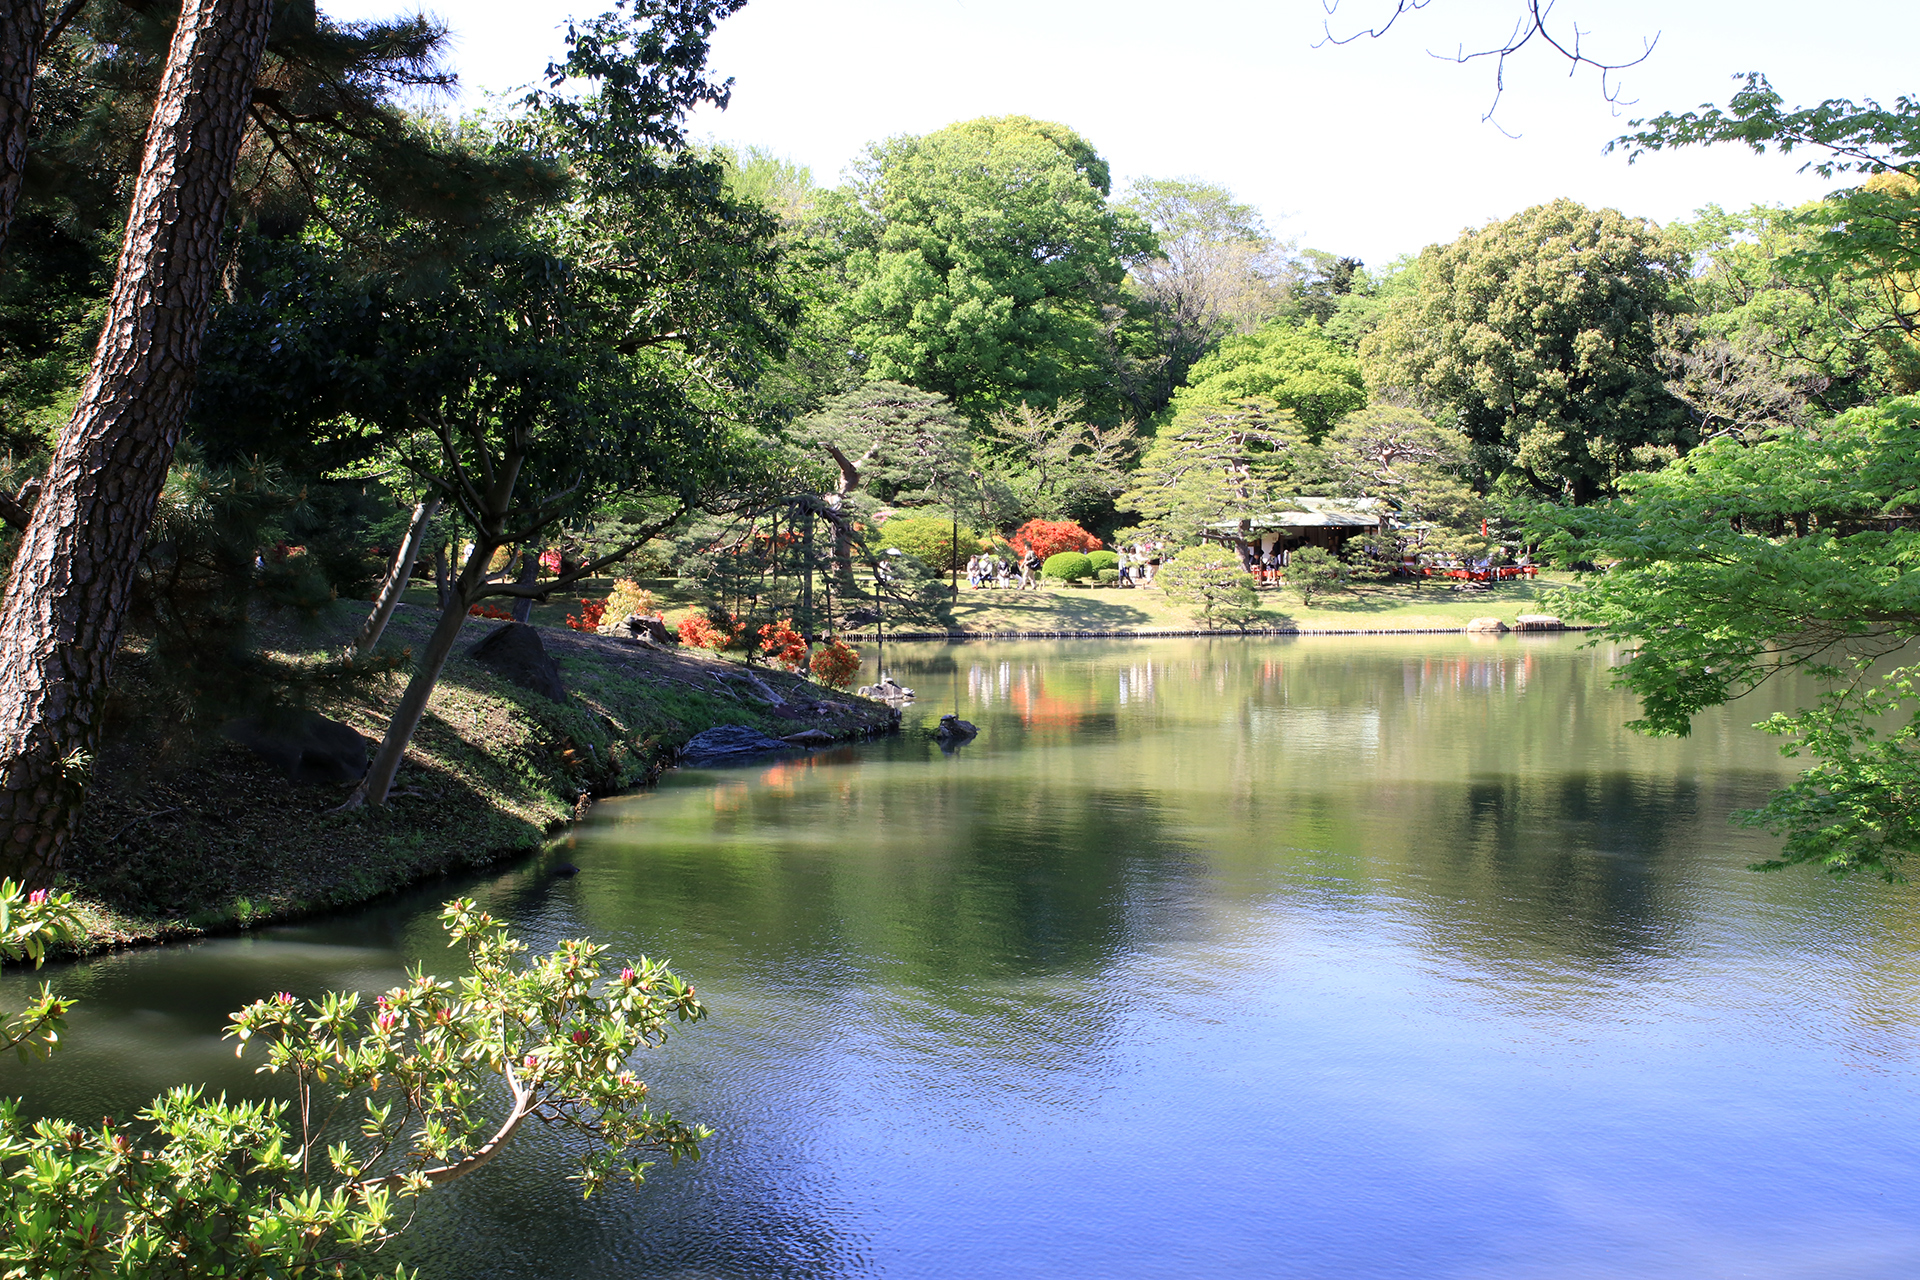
(1048, 538)
(703, 632)
(489, 611)
(392, 1100)
(835, 664)
(588, 619)
(781, 644)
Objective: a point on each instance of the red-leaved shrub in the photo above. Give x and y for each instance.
(783, 645)
(489, 611)
(835, 664)
(1051, 537)
(588, 619)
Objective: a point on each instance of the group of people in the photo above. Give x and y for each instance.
(998, 572)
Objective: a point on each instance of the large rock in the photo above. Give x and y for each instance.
(1486, 624)
(1538, 622)
(514, 652)
(304, 745)
(809, 738)
(730, 744)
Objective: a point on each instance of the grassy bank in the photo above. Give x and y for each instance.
(214, 838)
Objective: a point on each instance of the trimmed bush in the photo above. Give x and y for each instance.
(1104, 560)
(1106, 577)
(1068, 566)
(930, 540)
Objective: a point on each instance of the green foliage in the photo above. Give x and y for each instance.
(1538, 334)
(1314, 571)
(1106, 577)
(1737, 562)
(1420, 469)
(1210, 582)
(1296, 367)
(1103, 560)
(931, 540)
(976, 261)
(392, 1102)
(1052, 464)
(1067, 566)
(1216, 463)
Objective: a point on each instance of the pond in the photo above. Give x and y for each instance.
(1358, 957)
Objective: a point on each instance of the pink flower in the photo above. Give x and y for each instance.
(582, 1036)
(285, 997)
(628, 977)
(37, 897)
(387, 1021)
(533, 1063)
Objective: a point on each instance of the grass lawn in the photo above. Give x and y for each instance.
(1394, 605)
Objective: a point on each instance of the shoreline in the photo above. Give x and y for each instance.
(1146, 633)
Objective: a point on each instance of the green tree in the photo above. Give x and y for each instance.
(1297, 367)
(1052, 464)
(1210, 581)
(1422, 470)
(1739, 561)
(1218, 464)
(1214, 270)
(1538, 335)
(976, 262)
(938, 542)
(1314, 571)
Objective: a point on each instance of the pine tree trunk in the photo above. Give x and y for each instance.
(20, 25)
(392, 751)
(398, 575)
(68, 591)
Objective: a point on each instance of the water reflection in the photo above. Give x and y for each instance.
(1369, 957)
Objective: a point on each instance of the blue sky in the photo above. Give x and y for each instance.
(1372, 149)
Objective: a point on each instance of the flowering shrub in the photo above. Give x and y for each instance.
(199, 1186)
(835, 664)
(588, 619)
(702, 632)
(550, 560)
(628, 598)
(783, 645)
(1049, 538)
(489, 611)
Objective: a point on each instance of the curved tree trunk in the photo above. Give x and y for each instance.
(20, 30)
(529, 574)
(398, 575)
(72, 576)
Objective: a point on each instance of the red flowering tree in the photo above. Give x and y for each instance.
(835, 664)
(1051, 537)
(781, 644)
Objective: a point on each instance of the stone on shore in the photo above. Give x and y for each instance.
(730, 744)
(514, 652)
(1487, 624)
(1538, 622)
(810, 738)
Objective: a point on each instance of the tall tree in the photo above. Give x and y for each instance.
(67, 593)
(1296, 366)
(1218, 463)
(977, 262)
(1214, 270)
(1538, 334)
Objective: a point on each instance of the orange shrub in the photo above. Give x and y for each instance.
(783, 645)
(835, 664)
(1051, 537)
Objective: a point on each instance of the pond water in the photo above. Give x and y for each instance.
(1356, 957)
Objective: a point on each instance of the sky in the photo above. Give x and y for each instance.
(1371, 149)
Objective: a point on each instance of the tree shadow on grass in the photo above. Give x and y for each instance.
(1494, 597)
(1048, 611)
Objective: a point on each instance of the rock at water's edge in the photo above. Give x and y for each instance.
(514, 652)
(1486, 624)
(810, 738)
(304, 745)
(954, 729)
(730, 744)
(1538, 622)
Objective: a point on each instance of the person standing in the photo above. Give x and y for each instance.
(1027, 562)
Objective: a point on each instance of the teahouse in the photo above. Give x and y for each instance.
(1302, 522)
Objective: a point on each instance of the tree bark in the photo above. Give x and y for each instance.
(399, 573)
(20, 28)
(392, 752)
(68, 591)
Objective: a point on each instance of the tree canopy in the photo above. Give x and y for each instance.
(977, 260)
(1538, 335)
(1297, 367)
